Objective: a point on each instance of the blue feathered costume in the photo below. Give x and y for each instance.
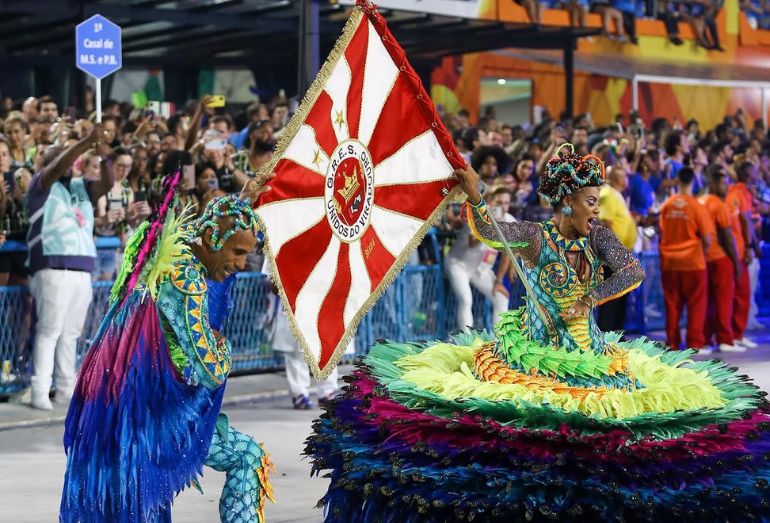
(145, 417)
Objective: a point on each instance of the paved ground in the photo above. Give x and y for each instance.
(32, 460)
(32, 463)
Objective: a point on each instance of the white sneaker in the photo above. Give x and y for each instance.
(41, 402)
(745, 342)
(62, 399)
(704, 350)
(724, 347)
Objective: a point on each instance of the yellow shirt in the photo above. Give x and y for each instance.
(613, 209)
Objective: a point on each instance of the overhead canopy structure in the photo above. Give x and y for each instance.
(258, 34)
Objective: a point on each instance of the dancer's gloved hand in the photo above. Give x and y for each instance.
(469, 182)
(580, 309)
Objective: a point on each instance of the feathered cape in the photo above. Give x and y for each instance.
(136, 434)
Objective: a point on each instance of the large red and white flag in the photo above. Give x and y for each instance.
(361, 173)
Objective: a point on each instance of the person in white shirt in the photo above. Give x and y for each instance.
(469, 263)
(297, 371)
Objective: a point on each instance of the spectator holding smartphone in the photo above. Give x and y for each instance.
(206, 183)
(140, 178)
(116, 213)
(61, 258)
(13, 217)
(110, 215)
(16, 130)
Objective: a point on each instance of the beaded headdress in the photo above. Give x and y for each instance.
(568, 172)
(232, 206)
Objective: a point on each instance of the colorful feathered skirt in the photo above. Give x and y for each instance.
(442, 432)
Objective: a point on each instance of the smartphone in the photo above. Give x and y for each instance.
(213, 183)
(140, 196)
(216, 145)
(114, 205)
(217, 100)
(188, 177)
(148, 113)
(9, 180)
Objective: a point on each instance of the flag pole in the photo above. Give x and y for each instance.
(547, 320)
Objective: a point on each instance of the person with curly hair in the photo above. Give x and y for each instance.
(547, 418)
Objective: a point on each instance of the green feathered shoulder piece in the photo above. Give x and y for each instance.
(133, 245)
(171, 248)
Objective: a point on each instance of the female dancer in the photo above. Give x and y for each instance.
(549, 418)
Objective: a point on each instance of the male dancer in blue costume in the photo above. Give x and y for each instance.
(145, 416)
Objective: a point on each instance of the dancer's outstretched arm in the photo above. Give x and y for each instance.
(627, 271)
(522, 237)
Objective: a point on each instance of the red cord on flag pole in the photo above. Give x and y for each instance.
(399, 57)
(368, 6)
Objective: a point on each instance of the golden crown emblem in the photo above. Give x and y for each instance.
(351, 185)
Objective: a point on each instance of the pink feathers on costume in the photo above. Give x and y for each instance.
(155, 228)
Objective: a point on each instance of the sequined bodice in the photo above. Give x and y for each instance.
(557, 287)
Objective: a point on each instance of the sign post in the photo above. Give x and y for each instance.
(98, 52)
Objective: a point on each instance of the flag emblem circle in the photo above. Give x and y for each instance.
(349, 190)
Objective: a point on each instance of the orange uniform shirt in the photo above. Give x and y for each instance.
(745, 193)
(720, 219)
(738, 202)
(683, 224)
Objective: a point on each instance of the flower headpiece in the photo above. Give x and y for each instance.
(568, 172)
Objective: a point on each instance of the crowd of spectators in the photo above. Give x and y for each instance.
(114, 171)
(642, 159)
(619, 16)
(217, 149)
(70, 185)
(220, 149)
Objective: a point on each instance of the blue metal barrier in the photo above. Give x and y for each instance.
(645, 309)
(102, 242)
(418, 306)
(763, 287)
(14, 348)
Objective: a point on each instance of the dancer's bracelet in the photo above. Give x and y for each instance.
(482, 203)
(588, 300)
